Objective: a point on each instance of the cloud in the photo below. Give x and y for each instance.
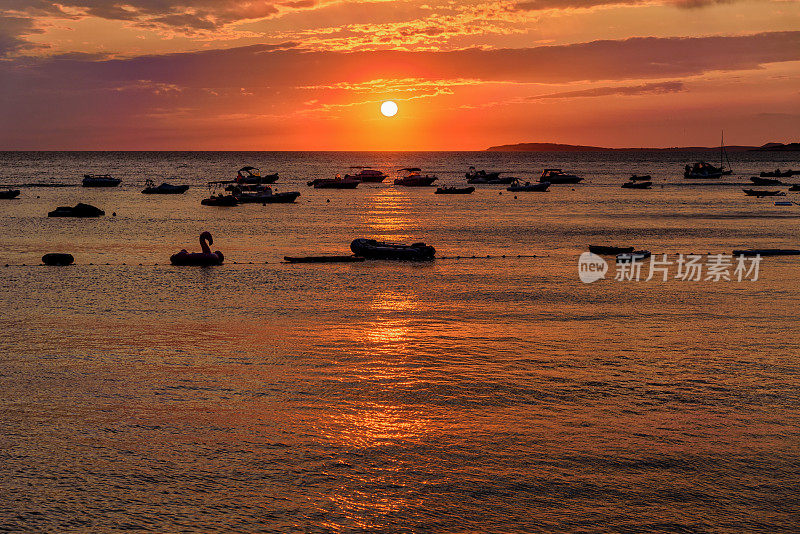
(286, 65)
(541, 5)
(643, 89)
(188, 16)
(12, 30)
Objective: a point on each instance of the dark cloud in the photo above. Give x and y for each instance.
(286, 65)
(12, 31)
(539, 5)
(643, 89)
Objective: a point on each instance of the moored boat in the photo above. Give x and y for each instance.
(376, 250)
(333, 183)
(767, 252)
(100, 180)
(9, 193)
(795, 188)
(704, 171)
(608, 250)
(480, 177)
(163, 189)
(414, 178)
(777, 173)
(763, 193)
(637, 185)
(79, 210)
(765, 181)
(538, 187)
(367, 175)
(640, 178)
(252, 175)
(220, 200)
(265, 196)
(557, 176)
(454, 190)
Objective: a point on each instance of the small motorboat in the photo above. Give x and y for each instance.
(501, 180)
(9, 193)
(333, 183)
(763, 193)
(637, 185)
(163, 189)
(252, 175)
(557, 176)
(376, 250)
(538, 187)
(607, 250)
(367, 175)
(220, 200)
(454, 190)
(637, 255)
(100, 180)
(56, 258)
(79, 210)
(323, 259)
(480, 177)
(202, 259)
(413, 178)
(640, 178)
(265, 196)
(767, 252)
(765, 181)
(777, 173)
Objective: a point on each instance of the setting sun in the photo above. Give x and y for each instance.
(389, 108)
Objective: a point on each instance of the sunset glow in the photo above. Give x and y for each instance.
(194, 74)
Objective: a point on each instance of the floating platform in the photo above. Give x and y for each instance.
(323, 259)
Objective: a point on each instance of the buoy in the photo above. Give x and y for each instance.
(55, 258)
(114, 214)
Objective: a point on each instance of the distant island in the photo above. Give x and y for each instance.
(557, 147)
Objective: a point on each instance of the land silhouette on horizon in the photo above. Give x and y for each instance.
(558, 147)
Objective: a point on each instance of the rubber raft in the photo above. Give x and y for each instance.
(377, 250)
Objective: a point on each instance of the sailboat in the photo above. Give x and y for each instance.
(703, 170)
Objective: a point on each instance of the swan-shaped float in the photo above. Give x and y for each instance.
(199, 258)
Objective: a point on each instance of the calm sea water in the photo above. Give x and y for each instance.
(466, 395)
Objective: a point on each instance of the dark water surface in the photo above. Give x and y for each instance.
(471, 395)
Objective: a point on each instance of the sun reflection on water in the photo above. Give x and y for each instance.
(387, 217)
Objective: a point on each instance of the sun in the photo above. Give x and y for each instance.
(389, 108)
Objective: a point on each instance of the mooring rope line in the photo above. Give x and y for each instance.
(167, 264)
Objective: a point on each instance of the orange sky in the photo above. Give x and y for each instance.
(310, 75)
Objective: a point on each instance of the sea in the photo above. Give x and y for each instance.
(491, 390)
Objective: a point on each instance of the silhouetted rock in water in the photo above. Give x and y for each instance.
(80, 210)
(11, 193)
(55, 258)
